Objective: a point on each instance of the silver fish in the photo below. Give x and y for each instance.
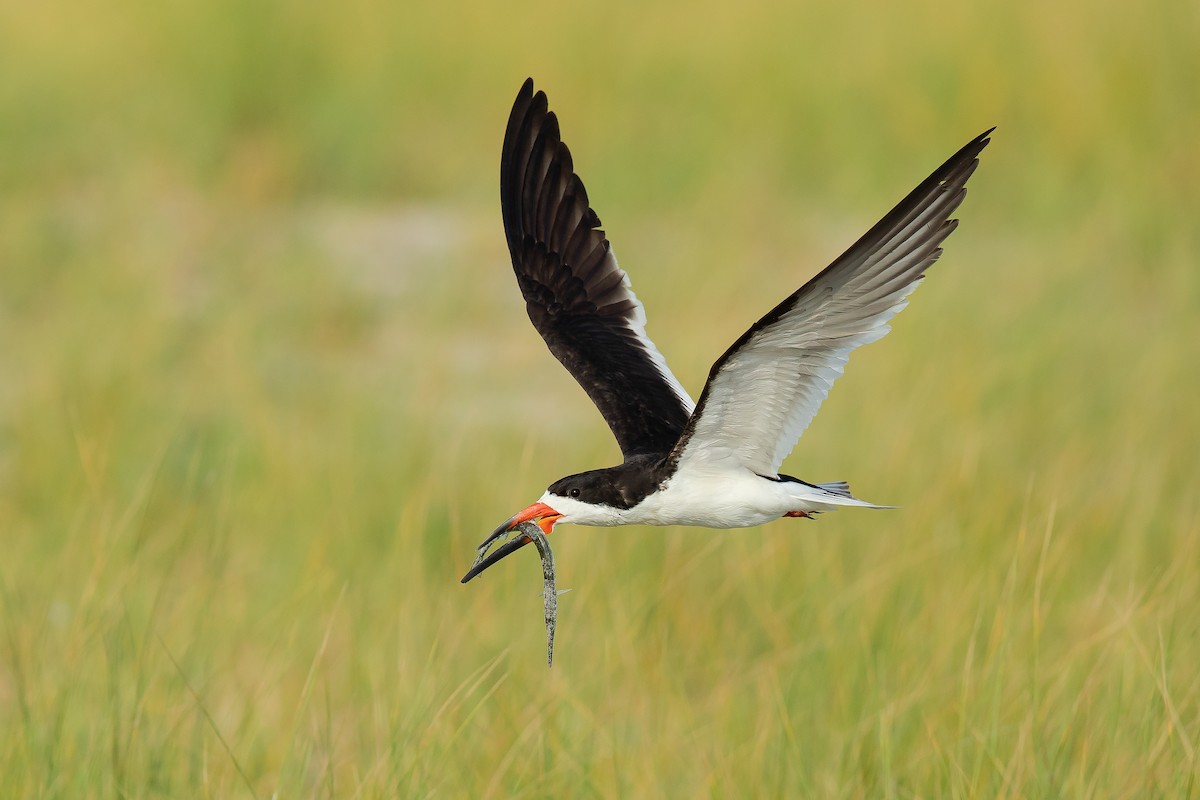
(530, 532)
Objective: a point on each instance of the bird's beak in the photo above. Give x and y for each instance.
(540, 513)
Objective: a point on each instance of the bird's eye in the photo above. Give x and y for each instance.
(574, 493)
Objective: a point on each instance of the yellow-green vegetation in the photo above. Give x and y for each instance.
(265, 381)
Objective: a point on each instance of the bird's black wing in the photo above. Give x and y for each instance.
(577, 297)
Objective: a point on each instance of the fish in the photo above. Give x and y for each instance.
(530, 532)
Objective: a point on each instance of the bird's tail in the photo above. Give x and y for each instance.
(837, 487)
(837, 493)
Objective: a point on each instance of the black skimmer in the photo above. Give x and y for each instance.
(714, 463)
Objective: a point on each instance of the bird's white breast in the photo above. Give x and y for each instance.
(734, 499)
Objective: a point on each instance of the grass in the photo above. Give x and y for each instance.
(265, 382)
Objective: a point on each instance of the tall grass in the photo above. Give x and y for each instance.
(265, 381)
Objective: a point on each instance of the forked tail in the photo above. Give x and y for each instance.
(837, 493)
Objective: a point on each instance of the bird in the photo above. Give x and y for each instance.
(712, 463)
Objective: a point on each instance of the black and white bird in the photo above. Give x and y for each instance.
(714, 463)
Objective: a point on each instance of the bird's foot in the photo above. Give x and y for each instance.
(804, 514)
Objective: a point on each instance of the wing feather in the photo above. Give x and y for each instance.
(765, 390)
(576, 295)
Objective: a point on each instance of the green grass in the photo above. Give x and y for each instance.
(265, 382)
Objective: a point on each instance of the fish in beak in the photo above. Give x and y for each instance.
(541, 514)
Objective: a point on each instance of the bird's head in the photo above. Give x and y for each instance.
(584, 499)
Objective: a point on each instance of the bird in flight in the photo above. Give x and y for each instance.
(714, 463)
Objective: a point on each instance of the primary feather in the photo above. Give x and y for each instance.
(766, 389)
(576, 295)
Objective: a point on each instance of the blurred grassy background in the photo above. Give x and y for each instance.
(265, 381)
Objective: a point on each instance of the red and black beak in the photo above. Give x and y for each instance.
(542, 514)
